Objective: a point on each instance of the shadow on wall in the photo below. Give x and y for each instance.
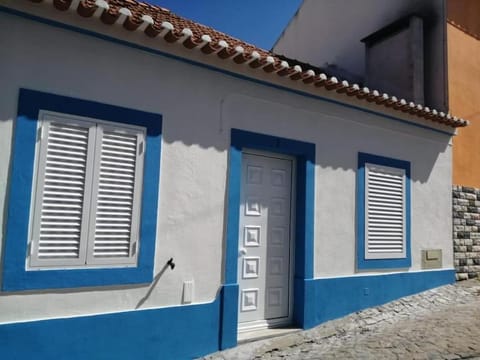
(170, 264)
(339, 133)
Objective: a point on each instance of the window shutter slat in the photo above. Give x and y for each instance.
(61, 196)
(385, 212)
(87, 193)
(116, 212)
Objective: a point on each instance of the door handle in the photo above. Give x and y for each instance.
(242, 252)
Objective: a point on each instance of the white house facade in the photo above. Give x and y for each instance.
(158, 198)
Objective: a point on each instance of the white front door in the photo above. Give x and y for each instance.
(264, 257)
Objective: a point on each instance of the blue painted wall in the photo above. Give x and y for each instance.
(182, 332)
(185, 332)
(337, 297)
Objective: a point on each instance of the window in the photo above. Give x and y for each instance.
(86, 203)
(83, 194)
(383, 212)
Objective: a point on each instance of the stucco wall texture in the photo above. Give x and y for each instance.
(199, 107)
(464, 94)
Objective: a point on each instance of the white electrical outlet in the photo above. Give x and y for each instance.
(188, 292)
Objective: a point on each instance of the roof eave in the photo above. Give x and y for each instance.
(221, 53)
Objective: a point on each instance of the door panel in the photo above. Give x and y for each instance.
(264, 245)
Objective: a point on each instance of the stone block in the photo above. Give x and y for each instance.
(459, 255)
(467, 189)
(471, 196)
(462, 262)
(475, 235)
(459, 228)
(468, 242)
(462, 276)
(475, 248)
(470, 222)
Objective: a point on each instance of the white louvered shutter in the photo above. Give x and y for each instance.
(62, 192)
(385, 212)
(115, 213)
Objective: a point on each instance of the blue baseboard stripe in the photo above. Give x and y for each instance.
(185, 332)
(229, 316)
(337, 297)
(182, 332)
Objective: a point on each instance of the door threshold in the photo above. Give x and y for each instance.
(262, 334)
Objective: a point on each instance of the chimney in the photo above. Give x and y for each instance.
(395, 59)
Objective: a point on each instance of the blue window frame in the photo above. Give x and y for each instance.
(16, 277)
(383, 212)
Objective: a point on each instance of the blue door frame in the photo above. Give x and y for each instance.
(304, 154)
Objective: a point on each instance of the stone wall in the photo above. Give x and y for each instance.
(466, 231)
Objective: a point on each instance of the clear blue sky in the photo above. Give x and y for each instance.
(259, 22)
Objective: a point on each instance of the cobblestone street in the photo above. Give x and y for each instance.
(442, 323)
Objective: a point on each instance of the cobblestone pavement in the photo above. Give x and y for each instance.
(442, 323)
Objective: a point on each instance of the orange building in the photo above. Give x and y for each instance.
(463, 55)
(463, 34)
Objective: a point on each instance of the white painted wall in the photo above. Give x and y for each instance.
(325, 31)
(199, 107)
(329, 32)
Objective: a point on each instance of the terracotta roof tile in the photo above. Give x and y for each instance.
(464, 29)
(156, 21)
